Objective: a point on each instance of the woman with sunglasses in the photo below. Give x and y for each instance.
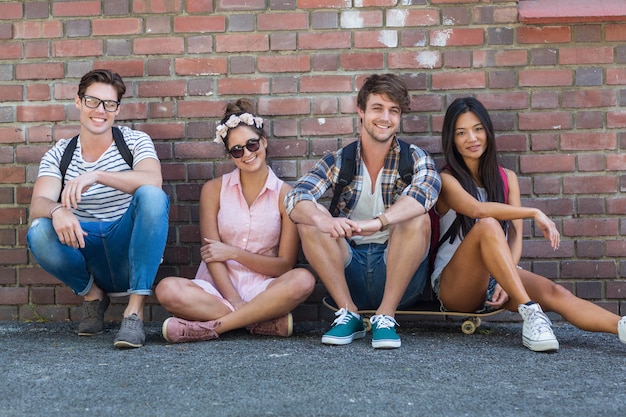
(249, 247)
(476, 266)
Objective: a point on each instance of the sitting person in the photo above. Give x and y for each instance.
(249, 247)
(102, 227)
(481, 224)
(374, 255)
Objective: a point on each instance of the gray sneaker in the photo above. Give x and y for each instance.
(93, 317)
(131, 333)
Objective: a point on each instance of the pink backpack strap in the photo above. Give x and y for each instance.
(505, 181)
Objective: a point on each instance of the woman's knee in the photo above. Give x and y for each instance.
(167, 291)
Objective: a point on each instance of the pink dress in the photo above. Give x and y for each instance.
(255, 229)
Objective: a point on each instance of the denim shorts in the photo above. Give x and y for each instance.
(491, 288)
(366, 274)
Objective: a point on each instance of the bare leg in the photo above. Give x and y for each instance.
(581, 313)
(483, 252)
(327, 257)
(135, 305)
(408, 243)
(188, 301)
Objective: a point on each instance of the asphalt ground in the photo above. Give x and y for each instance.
(47, 370)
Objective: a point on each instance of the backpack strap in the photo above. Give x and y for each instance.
(68, 153)
(346, 174)
(348, 170)
(118, 137)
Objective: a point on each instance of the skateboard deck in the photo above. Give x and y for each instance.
(469, 324)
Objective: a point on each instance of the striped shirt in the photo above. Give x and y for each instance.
(424, 187)
(99, 202)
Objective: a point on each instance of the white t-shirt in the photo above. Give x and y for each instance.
(368, 206)
(99, 202)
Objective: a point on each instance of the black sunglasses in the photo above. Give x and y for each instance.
(252, 145)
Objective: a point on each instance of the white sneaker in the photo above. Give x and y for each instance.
(537, 332)
(621, 329)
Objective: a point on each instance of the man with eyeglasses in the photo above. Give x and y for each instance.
(100, 223)
(374, 254)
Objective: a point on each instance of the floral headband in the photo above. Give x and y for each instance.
(233, 121)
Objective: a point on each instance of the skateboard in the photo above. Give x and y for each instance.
(471, 321)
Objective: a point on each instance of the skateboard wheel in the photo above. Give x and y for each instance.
(478, 321)
(367, 324)
(468, 327)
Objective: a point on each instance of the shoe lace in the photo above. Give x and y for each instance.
(540, 323)
(383, 322)
(132, 322)
(343, 316)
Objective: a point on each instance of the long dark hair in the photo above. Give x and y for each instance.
(488, 170)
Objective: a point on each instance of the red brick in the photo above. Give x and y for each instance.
(464, 80)
(456, 37)
(545, 121)
(12, 10)
(327, 126)
(161, 88)
(590, 162)
(545, 78)
(329, 83)
(199, 6)
(11, 135)
(158, 46)
(242, 43)
(157, 6)
(615, 76)
(615, 32)
(414, 60)
(578, 141)
(240, 4)
(75, 48)
(76, 8)
(616, 162)
(282, 21)
(230, 86)
(199, 24)
(588, 269)
(589, 184)
(376, 39)
(126, 68)
(536, 12)
(116, 27)
(546, 163)
(615, 119)
(410, 18)
(38, 29)
(163, 131)
(324, 4)
(13, 295)
(49, 113)
(324, 40)
(43, 71)
(289, 63)
(283, 106)
(499, 58)
(585, 56)
(616, 205)
(200, 66)
(358, 19)
(362, 61)
(543, 34)
(30, 154)
(589, 98)
(10, 50)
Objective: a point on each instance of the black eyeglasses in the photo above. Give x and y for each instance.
(252, 145)
(94, 102)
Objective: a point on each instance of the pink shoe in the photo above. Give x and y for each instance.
(177, 330)
(282, 326)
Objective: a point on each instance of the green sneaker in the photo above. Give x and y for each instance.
(346, 327)
(384, 333)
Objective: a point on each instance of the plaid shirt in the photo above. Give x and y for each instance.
(425, 185)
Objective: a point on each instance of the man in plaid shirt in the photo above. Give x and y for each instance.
(374, 255)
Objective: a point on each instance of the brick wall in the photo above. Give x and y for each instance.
(551, 73)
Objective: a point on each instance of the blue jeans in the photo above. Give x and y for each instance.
(120, 256)
(366, 274)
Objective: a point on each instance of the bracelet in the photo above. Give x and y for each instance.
(383, 221)
(55, 208)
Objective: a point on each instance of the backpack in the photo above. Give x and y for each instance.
(348, 170)
(68, 153)
(405, 169)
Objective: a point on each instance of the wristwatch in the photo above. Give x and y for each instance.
(383, 221)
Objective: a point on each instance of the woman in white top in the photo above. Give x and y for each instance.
(476, 265)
